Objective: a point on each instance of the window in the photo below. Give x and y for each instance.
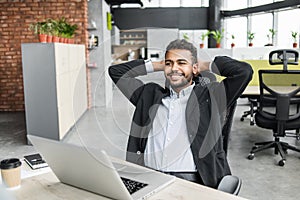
(287, 23)
(175, 3)
(235, 4)
(260, 2)
(238, 28)
(260, 27)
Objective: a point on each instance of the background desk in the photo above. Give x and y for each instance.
(48, 187)
(253, 91)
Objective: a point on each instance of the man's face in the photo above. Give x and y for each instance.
(179, 69)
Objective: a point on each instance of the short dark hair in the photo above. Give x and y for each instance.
(183, 44)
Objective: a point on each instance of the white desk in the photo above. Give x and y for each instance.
(47, 187)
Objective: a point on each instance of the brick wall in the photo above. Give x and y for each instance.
(15, 18)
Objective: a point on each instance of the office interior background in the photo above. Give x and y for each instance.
(259, 23)
(236, 17)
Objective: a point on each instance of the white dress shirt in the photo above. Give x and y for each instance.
(168, 147)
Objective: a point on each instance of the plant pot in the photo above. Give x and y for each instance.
(295, 44)
(232, 45)
(218, 45)
(55, 39)
(49, 38)
(62, 40)
(250, 44)
(201, 46)
(43, 38)
(71, 41)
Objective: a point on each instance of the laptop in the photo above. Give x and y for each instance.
(96, 172)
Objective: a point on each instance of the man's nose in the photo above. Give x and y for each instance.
(174, 67)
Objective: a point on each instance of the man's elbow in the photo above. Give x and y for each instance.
(248, 71)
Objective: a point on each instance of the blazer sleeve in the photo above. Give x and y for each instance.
(123, 75)
(237, 76)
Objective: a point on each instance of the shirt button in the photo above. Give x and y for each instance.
(138, 152)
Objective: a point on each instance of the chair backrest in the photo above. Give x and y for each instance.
(279, 96)
(284, 57)
(205, 78)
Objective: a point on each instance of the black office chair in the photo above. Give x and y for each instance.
(228, 125)
(282, 56)
(253, 109)
(230, 184)
(278, 109)
(205, 78)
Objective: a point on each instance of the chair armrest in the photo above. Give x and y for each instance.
(230, 184)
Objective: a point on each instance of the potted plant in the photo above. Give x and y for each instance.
(39, 29)
(47, 26)
(203, 36)
(55, 30)
(67, 31)
(232, 42)
(294, 35)
(70, 32)
(270, 36)
(217, 35)
(186, 36)
(250, 38)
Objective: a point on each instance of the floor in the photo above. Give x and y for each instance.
(108, 128)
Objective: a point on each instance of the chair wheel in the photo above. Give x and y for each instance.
(251, 156)
(242, 119)
(281, 163)
(254, 147)
(251, 123)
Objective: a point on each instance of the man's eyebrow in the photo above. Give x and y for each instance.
(178, 60)
(182, 60)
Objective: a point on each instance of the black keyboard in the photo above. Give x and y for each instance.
(132, 186)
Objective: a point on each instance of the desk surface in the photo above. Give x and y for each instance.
(47, 187)
(254, 90)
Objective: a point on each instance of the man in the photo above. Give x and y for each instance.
(177, 129)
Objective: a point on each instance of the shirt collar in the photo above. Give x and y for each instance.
(184, 92)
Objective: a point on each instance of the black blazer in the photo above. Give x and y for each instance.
(204, 112)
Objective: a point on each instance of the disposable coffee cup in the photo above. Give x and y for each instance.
(11, 172)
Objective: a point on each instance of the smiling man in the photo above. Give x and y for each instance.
(177, 129)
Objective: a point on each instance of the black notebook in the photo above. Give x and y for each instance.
(35, 161)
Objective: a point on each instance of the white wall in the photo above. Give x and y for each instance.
(101, 85)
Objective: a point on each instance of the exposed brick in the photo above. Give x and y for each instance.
(15, 18)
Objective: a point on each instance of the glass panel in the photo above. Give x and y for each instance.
(191, 3)
(235, 4)
(260, 2)
(238, 28)
(260, 27)
(287, 23)
(170, 3)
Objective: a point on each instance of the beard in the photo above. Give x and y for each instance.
(179, 80)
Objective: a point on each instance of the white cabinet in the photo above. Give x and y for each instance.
(55, 87)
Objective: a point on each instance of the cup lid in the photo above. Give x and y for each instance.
(10, 163)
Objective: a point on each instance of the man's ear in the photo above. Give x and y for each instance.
(195, 69)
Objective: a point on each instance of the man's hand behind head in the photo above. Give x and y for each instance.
(158, 65)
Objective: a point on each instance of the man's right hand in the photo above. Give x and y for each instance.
(159, 65)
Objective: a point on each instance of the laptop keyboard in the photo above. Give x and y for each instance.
(132, 186)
